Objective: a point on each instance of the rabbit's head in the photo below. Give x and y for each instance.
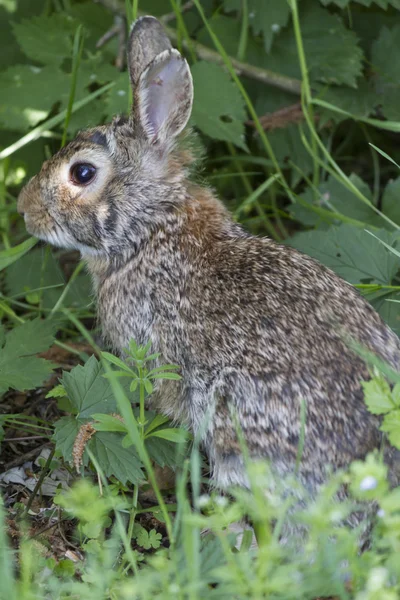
(102, 191)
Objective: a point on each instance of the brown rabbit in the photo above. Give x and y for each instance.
(255, 326)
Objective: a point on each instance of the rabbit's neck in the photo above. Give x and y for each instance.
(149, 284)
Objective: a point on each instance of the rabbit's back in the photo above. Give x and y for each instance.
(277, 327)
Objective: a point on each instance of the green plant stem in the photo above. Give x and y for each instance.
(244, 31)
(39, 482)
(141, 402)
(183, 33)
(76, 59)
(133, 511)
(306, 84)
(135, 6)
(71, 280)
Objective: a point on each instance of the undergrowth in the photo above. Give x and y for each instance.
(297, 117)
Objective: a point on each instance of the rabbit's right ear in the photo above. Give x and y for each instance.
(146, 40)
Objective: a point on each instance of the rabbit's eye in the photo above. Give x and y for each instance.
(82, 173)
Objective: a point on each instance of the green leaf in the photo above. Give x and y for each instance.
(46, 39)
(156, 422)
(164, 452)
(171, 434)
(173, 376)
(377, 396)
(117, 100)
(57, 392)
(351, 252)
(218, 107)
(267, 22)
(345, 202)
(18, 368)
(90, 393)
(332, 51)
(391, 425)
(148, 386)
(123, 463)
(38, 270)
(117, 361)
(146, 539)
(108, 423)
(7, 257)
(87, 389)
(65, 431)
(386, 71)
(359, 102)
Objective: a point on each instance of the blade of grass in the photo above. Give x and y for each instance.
(244, 31)
(59, 302)
(256, 194)
(305, 83)
(76, 59)
(386, 125)
(384, 154)
(7, 257)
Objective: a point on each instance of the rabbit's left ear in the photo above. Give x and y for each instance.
(164, 97)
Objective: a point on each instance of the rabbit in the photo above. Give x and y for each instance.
(256, 327)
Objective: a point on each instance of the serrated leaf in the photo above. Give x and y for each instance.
(18, 368)
(47, 40)
(87, 389)
(377, 396)
(391, 425)
(65, 431)
(164, 453)
(351, 253)
(266, 22)
(115, 460)
(154, 539)
(359, 102)
(218, 108)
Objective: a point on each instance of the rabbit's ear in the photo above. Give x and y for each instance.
(147, 39)
(164, 97)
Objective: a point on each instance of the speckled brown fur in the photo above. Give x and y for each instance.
(256, 327)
